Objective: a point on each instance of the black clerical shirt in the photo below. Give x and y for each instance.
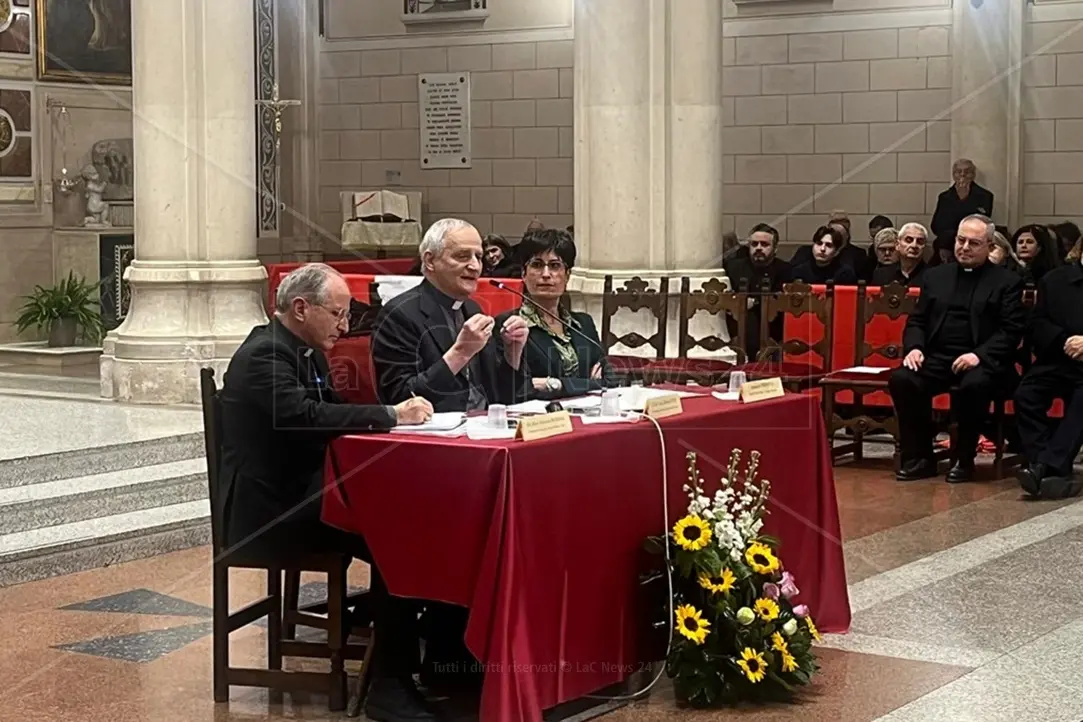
(956, 335)
(453, 313)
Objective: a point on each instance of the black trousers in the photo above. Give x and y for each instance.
(1044, 440)
(396, 652)
(912, 394)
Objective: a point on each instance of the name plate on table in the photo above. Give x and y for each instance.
(532, 428)
(662, 406)
(752, 391)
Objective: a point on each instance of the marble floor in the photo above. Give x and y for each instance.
(966, 598)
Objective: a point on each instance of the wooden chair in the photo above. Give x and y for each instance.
(635, 295)
(796, 300)
(714, 298)
(892, 303)
(280, 642)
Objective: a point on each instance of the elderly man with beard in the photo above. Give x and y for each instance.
(760, 270)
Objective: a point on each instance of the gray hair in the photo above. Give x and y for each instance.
(433, 242)
(990, 227)
(885, 236)
(309, 282)
(914, 227)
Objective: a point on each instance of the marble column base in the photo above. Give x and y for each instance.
(586, 287)
(184, 316)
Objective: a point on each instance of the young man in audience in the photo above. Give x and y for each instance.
(759, 270)
(1056, 334)
(910, 267)
(847, 253)
(826, 264)
(278, 415)
(964, 333)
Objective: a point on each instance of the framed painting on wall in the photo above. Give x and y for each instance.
(85, 41)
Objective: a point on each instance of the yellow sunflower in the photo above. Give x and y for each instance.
(767, 609)
(720, 584)
(692, 533)
(789, 664)
(778, 643)
(691, 624)
(753, 664)
(812, 629)
(761, 558)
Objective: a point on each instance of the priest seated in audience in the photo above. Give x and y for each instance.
(910, 266)
(759, 270)
(963, 334)
(826, 266)
(1056, 335)
(433, 341)
(563, 350)
(278, 416)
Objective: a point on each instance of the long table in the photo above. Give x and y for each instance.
(542, 540)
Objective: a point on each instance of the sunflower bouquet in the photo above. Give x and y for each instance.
(739, 634)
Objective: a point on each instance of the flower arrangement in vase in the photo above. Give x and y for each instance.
(739, 634)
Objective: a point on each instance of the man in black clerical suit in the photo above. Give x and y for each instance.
(964, 333)
(1056, 334)
(278, 416)
(433, 341)
(760, 270)
(964, 198)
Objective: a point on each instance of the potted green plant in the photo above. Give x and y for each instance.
(62, 311)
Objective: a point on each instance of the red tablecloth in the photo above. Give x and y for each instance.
(541, 540)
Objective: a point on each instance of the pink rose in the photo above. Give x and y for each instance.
(801, 610)
(770, 590)
(788, 587)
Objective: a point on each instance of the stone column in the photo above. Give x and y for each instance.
(648, 150)
(987, 50)
(197, 288)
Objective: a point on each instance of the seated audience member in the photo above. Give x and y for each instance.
(1055, 330)
(909, 268)
(433, 341)
(962, 199)
(1004, 255)
(964, 333)
(759, 271)
(278, 417)
(732, 247)
(848, 254)
(877, 224)
(826, 265)
(499, 258)
(1068, 234)
(1036, 251)
(886, 246)
(563, 349)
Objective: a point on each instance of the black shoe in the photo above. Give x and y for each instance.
(461, 678)
(961, 471)
(1059, 487)
(393, 700)
(1031, 477)
(915, 470)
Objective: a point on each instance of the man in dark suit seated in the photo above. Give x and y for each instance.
(910, 267)
(964, 333)
(1056, 334)
(278, 416)
(760, 270)
(433, 341)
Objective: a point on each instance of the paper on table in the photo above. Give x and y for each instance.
(478, 429)
(534, 406)
(727, 395)
(623, 419)
(390, 286)
(865, 369)
(581, 402)
(440, 422)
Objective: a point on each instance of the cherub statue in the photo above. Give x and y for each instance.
(97, 210)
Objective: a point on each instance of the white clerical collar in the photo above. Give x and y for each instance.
(456, 305)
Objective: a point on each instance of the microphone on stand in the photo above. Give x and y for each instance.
(504, 287)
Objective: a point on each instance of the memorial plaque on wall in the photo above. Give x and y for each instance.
(444, 105)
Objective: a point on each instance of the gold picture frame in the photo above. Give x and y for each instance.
(84, 42)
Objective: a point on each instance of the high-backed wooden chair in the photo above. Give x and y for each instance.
(279, 644)
(882, 310)
(635, 295)
(720, 303)
(797, 301)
